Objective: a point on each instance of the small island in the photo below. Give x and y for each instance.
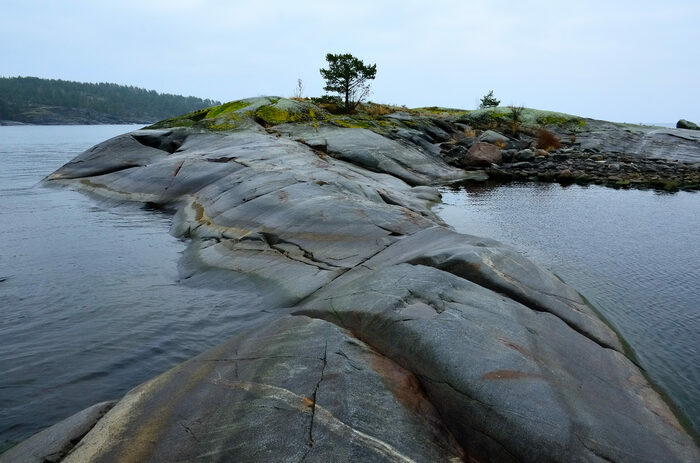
(388, 336)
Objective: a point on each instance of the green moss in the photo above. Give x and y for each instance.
(672, 186)
(174, 122)
(436, 111)
(355, 123)
(226, 108)
(559, 119)
(186, 120)
(272, 115)
(222, 127)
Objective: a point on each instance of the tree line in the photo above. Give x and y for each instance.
(18, 95)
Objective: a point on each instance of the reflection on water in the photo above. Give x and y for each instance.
(634, 254)
(90, 299)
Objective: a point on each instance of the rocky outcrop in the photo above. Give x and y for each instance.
(618, 171)
(389, 337)
(54, 443)
(591, 135)
(684, 124)
(585, 151)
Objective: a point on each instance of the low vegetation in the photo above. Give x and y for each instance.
(547, 141)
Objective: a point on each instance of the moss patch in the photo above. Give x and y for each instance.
(226, 108)
(272, 115)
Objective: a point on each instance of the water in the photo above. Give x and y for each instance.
(634, 254)
(90, 299)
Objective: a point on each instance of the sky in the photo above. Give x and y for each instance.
(626, 61)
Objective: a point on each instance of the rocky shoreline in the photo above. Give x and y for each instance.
(586, 152)
(568, 166)
(388, 336)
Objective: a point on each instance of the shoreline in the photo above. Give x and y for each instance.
(612, 170)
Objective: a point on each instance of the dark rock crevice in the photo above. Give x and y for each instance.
(274, 241)
(169, 141)
(313, 399)
(97, 173)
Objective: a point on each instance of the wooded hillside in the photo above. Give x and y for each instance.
(49, 101)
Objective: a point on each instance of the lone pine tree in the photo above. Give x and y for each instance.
(348, 76)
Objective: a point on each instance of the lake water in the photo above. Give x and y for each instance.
(634, 254)
(91, 302)
(90, 299)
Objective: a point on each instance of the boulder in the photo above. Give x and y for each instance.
(493, 137)
(525, 155)
(482, 154)
(684, 124)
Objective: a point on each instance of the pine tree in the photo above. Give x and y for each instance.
(348, 76)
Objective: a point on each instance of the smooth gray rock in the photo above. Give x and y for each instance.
(637, 141)
(476, 341)
(377, 153)
(514, 384)
(292, 390)
(493, 137)
(53, 443)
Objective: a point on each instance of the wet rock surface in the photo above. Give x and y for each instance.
(389, 337)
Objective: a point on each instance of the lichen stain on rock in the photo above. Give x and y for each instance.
(516, 347)
(510, 374)
(408, 390)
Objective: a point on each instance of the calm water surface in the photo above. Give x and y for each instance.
(90, 299)
(634, 254)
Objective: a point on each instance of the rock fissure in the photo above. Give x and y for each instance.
(274, 241)
(313, 402)
(189, 431)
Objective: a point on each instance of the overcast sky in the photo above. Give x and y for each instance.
(632, 61)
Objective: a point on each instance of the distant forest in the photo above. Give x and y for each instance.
(49, 101)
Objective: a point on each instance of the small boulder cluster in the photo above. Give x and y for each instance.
(506, 158)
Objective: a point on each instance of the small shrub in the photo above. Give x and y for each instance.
(376, 110)
(516, 113)
(326, 99)
(546, 140)
(489, 101)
